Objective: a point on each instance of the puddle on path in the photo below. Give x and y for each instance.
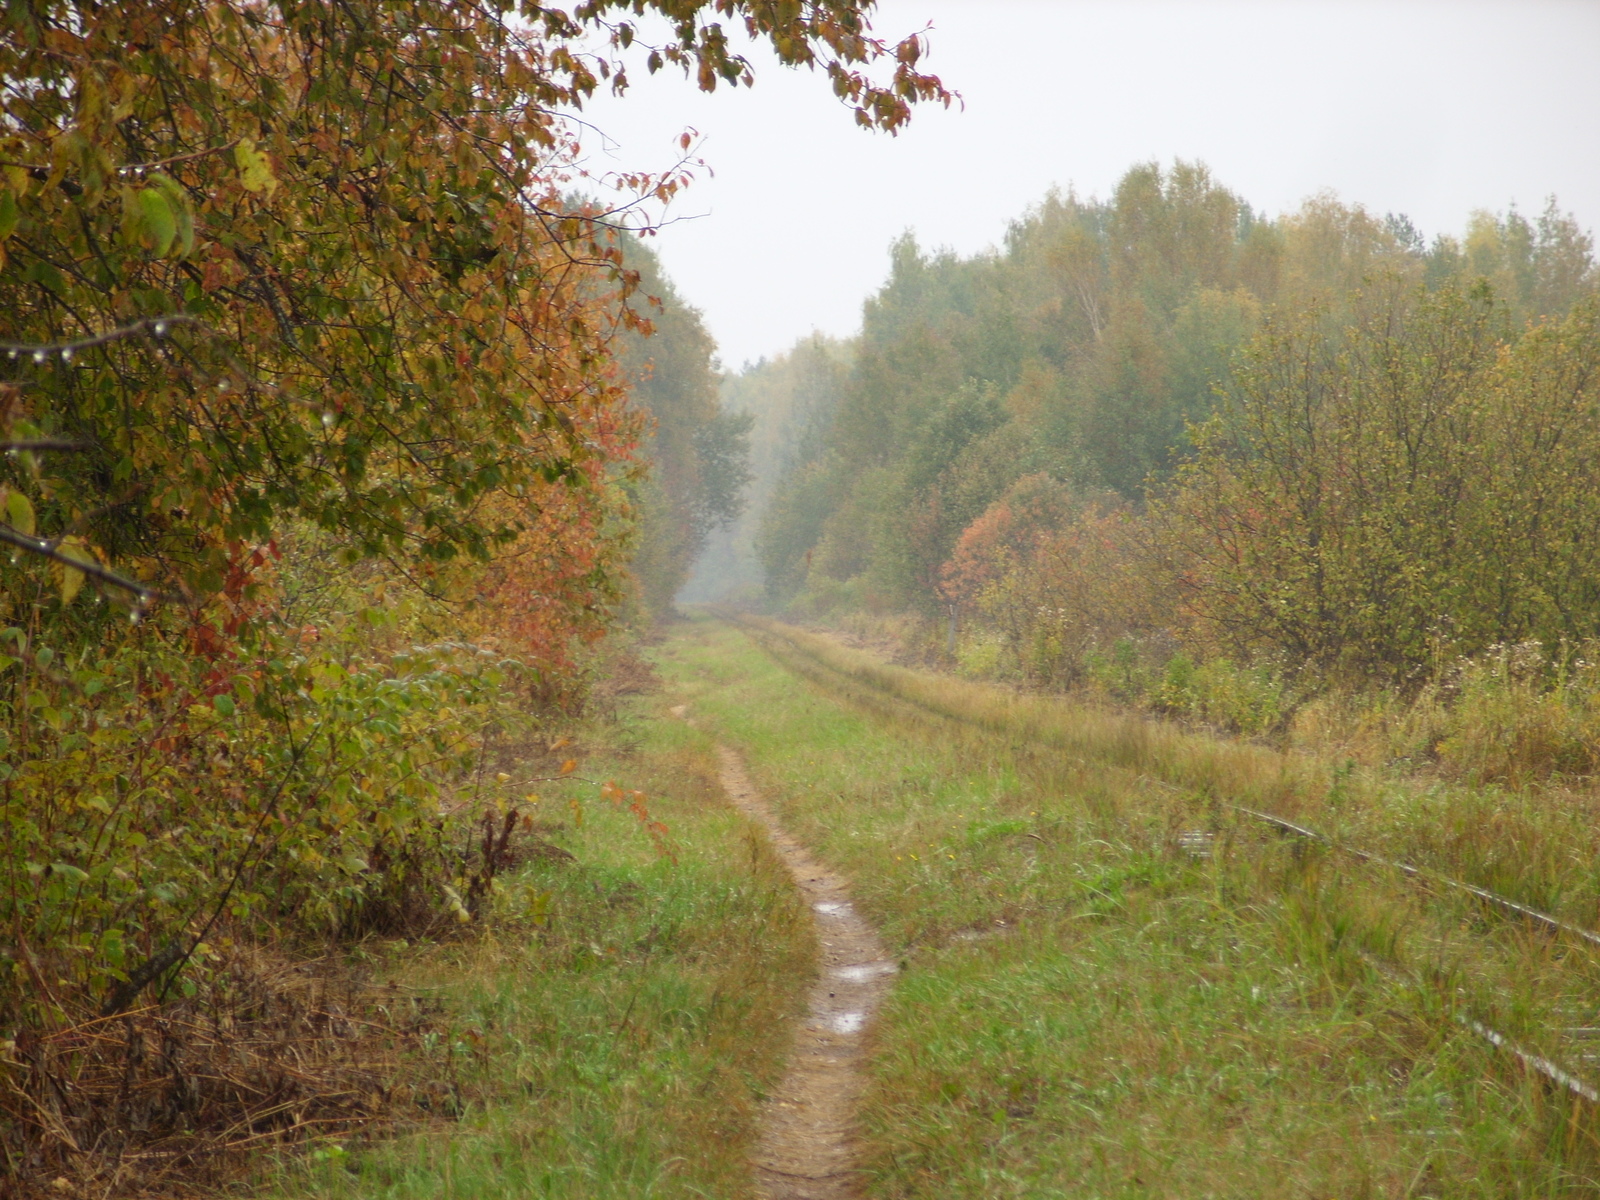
(807, 1149)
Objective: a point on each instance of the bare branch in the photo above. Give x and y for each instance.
(140, 168)
(44, 549)
(46, 444)
(156, 326)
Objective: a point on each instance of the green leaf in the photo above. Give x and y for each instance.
(46, 274)
(19, 513)
(185, 231)
(183, 211)
(8, 214)
(159, 222)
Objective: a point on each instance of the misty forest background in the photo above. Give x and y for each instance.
(1183, 454)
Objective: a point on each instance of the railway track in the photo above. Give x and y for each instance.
(1556, 1073)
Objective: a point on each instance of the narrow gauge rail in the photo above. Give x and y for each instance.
(1537, 1062)
(1552, 1071)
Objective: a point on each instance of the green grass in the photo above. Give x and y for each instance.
(611, 1034)
(1538, 845)
(1090, 1010)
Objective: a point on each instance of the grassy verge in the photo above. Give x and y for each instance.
(611, 1032)
(1537, 845)
(1116, 987)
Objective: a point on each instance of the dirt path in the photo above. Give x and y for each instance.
(807, 1149)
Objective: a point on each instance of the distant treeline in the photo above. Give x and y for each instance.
(1165, 425)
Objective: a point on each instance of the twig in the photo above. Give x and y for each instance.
(45, 549)
(39, 352)
(141, 168)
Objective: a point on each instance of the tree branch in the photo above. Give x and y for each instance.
(44, 549)
(41, 351)
(139, 168)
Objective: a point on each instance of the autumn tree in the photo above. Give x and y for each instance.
(696, 451)
(330, 251)
(1415, 483)
(1102, 331)
(310, 363)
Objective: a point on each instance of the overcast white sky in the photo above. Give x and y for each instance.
(1430, 107)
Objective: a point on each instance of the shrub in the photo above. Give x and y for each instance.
(1520, 714)
(1364, 491)
(153, 801)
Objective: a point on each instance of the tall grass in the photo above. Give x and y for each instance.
(1114, 985)
(1518, 715)
(1538, 846)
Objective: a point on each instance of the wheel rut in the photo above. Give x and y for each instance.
(809, 1148)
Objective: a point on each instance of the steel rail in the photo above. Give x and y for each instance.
(1550, 1070)
(1415, 872)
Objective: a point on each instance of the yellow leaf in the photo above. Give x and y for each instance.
(19, 512)
(569, 766)
(71, 582)
(78, 550)
(255, 172)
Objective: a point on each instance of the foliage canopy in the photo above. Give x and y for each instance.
(302, 332)
(337, 241)
(1165, 426)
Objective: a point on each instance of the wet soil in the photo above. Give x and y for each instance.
(808, 1148)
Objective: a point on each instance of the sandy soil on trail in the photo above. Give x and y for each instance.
(807, 1149)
